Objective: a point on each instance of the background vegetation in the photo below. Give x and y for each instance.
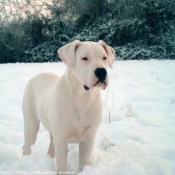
(32, 31)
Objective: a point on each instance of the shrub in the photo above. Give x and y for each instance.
(137, 29)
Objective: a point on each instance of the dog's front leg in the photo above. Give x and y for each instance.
(61, 148)
(85, 149)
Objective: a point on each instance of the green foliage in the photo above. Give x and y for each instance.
(137, 29)
(157, 17)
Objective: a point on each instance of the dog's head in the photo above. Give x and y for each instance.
(89, 60)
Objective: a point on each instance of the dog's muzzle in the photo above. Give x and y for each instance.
(101, 74)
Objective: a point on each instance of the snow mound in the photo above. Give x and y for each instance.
(136, 136)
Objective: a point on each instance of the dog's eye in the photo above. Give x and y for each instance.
(85, 58)
(104, 58)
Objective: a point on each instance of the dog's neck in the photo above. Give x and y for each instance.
(73, 91)
(75, 87)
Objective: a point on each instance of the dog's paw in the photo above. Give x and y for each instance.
(26, 151)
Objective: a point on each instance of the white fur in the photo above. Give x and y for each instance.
(68, 111)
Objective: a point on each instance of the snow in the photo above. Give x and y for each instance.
(136, 136)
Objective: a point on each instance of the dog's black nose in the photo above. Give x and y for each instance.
(101, 74)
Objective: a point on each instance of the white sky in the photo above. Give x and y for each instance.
(15, 8)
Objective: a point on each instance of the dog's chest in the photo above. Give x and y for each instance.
(78, 134)
(86, 111)
(78, 115)
(81, 130)
(83, 122)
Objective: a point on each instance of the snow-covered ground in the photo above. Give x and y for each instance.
(137, 139)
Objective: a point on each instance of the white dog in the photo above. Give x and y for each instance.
(70, 106)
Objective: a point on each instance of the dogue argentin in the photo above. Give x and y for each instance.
(69, 107)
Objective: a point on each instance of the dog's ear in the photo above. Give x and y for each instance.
(110, 52)
(67, 53)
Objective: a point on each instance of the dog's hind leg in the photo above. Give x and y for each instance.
(51, 150)
(31, 124)
(31, 129)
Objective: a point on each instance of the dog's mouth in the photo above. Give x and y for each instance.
(103, 85)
